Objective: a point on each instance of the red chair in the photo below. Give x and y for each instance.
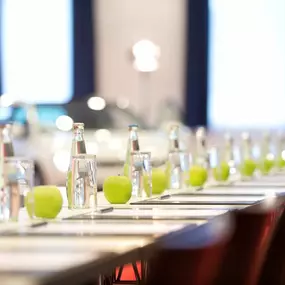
(247, 248)
(191, 256)
(273, 270)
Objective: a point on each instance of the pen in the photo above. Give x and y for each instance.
(106, 210)
(165, 197)
(39, 224)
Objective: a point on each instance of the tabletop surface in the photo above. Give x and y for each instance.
(265, 181)
(182, 199)
(33, 254)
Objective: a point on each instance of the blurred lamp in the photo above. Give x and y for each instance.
(146, 55)
(102, 135)
(61, 160)
(64, 123)
(96, 103)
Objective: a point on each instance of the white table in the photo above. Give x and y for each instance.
(67, 244)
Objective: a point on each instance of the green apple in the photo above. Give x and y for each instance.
(44, 201)
(197, 175)
(266, 165)
(159, 182)
(280, 162)
(222, 172)
(248, 167)
(117, 189)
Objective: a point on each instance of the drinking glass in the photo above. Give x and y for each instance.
(141, 172)
(18, 182)
(83, 188)
(247, 156)
(216, 160)
(179, 163)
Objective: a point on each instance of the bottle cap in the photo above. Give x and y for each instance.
(174, 126)
(133, 126)
(78, 126)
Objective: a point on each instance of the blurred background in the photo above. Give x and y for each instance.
(215, 63)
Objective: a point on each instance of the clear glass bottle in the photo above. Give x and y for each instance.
(266, 151)
(280, 144)
(132, 148)
(7, 141)
(173, 168)
(174, 145)
(202, 155)
(246, 147)
(280, 151)
(78, 147)
(247, 159)
(267, 157)
(229, 155)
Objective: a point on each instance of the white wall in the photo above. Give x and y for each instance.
(119, 24)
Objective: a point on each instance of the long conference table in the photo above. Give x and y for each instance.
(81, 245)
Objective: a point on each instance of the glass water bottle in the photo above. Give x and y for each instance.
(174, 144)
(7, 141)
(202, 155)
(267, 158)
(266, 150)
(229, 156)
(132, 148)
(247, 162)
(280, 151)
(78, 147)
(173, 168)
(246, 147)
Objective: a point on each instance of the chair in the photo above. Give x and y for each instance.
(191, 256)
(247, 248)
(273, 270)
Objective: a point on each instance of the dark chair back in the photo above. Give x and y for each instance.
(273, 270)
(191, 256)
(247, 248)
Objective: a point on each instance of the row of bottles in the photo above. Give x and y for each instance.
(241, 163)
(200, 156)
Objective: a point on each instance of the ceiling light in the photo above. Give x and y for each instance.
(96, 103)
(146, 55)
(64, 123)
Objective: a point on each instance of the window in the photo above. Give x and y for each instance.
(247, 64)
(37, 55)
